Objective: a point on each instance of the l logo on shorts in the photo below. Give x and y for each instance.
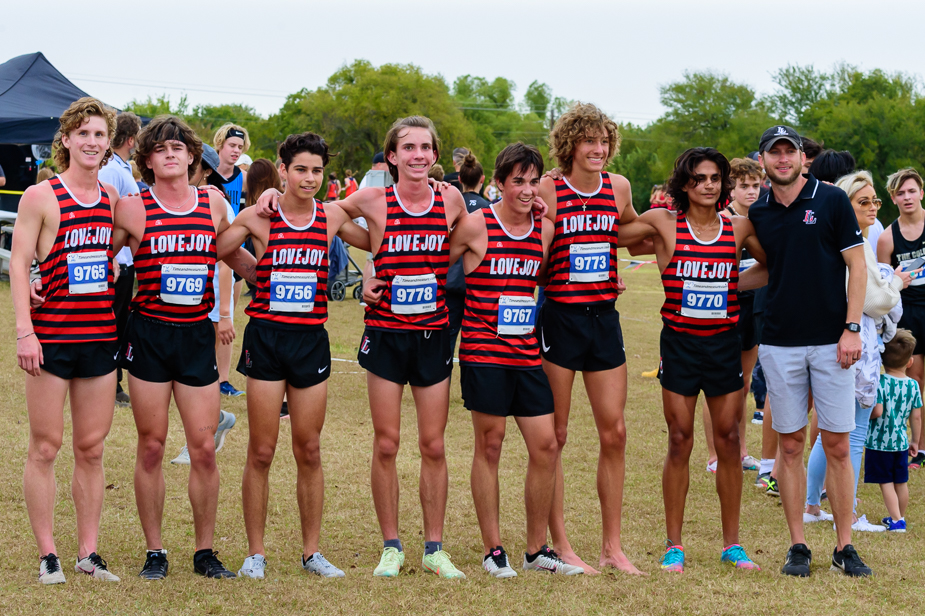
(364, 346)
(128, 352)
(247, 360)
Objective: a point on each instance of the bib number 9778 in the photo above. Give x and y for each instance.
(414, 294)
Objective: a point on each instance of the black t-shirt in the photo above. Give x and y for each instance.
(807, 304)
(453, 178)
(233, 187)
(474, 201)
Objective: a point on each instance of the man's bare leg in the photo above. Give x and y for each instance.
(433, 408)
(726, 412)
(607, 393)
(489, 435)
(839, 482)
(45, 397)
(150, 404)
(92, 404)
(263, 402)
(792, 482)
(540, 437)
(306, 412)
(385, 409)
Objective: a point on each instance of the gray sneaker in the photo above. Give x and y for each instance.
(549, 561)
(123, 399)
(319, 565)
(253, 567)
(226, 422)
(94, 566)
(50, 570)
(182, 457)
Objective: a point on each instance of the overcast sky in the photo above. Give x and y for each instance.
(613, 53)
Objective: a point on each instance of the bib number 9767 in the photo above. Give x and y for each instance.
(516, 315)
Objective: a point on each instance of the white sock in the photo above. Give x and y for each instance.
(766, 465)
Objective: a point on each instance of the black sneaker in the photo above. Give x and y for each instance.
(284, 411)
(155, 565)
(206, 563)
(848, 562)
(798, 560)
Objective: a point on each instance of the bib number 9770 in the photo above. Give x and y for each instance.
(414, 294)
(293, 291)
(704, 300)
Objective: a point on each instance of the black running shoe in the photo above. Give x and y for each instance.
(206, 563)
(798, 560)
(848, 562)
(155, 565)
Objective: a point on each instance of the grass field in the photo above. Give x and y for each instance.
(351, 539)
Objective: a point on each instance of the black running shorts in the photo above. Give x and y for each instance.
(506, 392)
(418, 357)
(581, 337)
(299, 355)
(80, 360)
(748, 332)
(160, 352)
(913, 319)
(691, 364)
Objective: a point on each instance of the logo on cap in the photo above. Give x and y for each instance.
(781, 131)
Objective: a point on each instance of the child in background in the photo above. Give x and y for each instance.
(888, 447)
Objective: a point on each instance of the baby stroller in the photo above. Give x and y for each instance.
(340, 276)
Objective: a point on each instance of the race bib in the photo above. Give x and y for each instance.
(744, 264)
(516, 315)
(87, 272)
(293, 291)
(183, 284)
(908, 265)
(704, 300)
(414, 294)
(589, 262)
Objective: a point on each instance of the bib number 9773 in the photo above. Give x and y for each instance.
(589, 262)
(516, 315)
(293, 291)
(87, 272)
(704, 300)
(183, 284)
(414, 294)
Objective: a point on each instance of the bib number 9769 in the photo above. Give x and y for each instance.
(183, 284)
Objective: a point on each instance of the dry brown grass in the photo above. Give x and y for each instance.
(351, 536)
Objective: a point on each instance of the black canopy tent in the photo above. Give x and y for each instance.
(33, 94)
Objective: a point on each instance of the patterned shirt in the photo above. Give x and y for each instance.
(899, 396)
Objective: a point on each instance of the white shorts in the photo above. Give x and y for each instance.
(792, 372)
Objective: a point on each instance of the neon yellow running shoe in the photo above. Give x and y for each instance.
(439, 562)
(650, 374)
(390, 563)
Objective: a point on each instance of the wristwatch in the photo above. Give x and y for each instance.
(853, 327)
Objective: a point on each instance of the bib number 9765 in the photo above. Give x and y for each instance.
(87, 272)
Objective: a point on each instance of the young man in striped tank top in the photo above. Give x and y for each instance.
(503, 251)
(67, 344)
(578, 325)
(698, 252)
(170, 341)
(406, 338)
(286, 349)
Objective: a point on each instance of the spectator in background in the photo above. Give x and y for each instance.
(136, 175)
(492, 192)
(812, 151)
(378, 175)
(659, 197)
(459, 155)
(45, 173)
(830, 165)
(244, 162)
(119, 173)
(436, 172)
(333, 187)
(350, 184)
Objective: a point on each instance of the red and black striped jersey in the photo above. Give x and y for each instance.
(583, 257)
(500, 311)
(77, 273)
(413, 259)
(701, 282)
(175, 261)
(292, 275)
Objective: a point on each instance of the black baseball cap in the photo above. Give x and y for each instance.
(776, 133)
(378, 158)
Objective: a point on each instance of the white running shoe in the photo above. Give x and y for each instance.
(253, 567)
(862, 525)
(711, 466)
(226, 422)
(182, 457)
(94, 566)
(50, 570)
(497, 565)
(549, 561)
(750, 463)
(319, 565)
(809, 518)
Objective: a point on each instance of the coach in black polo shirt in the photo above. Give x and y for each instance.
(811, 333)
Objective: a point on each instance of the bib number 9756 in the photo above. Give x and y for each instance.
(87, 272)
(293, 291)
